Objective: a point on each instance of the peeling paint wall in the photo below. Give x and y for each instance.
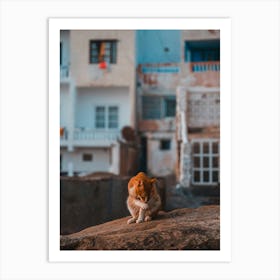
(197, 109)
(158, 78)
(166, 124)
(198, 117)
(161, 162)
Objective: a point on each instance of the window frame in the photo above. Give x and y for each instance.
(112, 54)
(201, 155)
(190, 52)
(162, 143)
(95, 117)
(106, 118)
(87, 157)
(162, 106)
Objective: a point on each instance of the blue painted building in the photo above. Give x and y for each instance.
(158, 46)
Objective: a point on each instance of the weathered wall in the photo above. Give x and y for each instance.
(119, 74)
(189, 35)
(88, 201)
(162, 125)
(161, 162)
(193, 74)
(158, 46)
(100, 159)
(158, 78)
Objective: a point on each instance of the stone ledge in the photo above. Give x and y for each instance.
(180, 229)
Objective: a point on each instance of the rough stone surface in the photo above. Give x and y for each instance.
(181, 229)
(96, 199)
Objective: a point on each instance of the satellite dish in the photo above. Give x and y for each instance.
(128, 134)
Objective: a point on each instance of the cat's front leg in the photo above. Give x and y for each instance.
(141, 216)
(142, 205)
(132, 220)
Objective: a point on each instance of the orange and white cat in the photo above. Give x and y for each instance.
(143, 200)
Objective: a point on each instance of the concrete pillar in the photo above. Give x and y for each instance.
(115, 152)
(185, 165)
(72, 106)
(181, 99)
(70, 168)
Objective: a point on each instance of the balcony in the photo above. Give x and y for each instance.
(208, 66)
(205, 73)
(88, 137)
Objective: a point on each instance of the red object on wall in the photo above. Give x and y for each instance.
(102, 65)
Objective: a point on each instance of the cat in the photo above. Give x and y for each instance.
(143, 200)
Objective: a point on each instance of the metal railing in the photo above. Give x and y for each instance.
(205, 66)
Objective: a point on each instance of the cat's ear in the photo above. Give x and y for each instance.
(153, 181)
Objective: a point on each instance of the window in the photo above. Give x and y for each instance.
(100, 117)
(102, 50)
(205, 162)
(113, 117)
(87, 157)
(151, 107)
(165, 144)
(106, 117)
(205, 50)
(170, 107)
(158, 107)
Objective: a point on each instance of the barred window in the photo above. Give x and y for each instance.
(102, 50)
(205, 162)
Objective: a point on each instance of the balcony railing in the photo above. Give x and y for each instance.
(87, 137)
(94, 135)
(205, 66)
(64, 71)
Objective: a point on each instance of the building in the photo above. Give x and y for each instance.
(161, 85)
(158, 75)
(198, 110)
(97, 101)
(178, 92)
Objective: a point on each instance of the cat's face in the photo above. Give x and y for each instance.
(142, 190)
(141, 187)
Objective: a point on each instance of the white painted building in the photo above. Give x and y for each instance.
(97, 98)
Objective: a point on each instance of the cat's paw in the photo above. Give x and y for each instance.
(145, 206)
(138, 221)
(148, 218)
(131, 220)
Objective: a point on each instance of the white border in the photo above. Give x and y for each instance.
(224, 254)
